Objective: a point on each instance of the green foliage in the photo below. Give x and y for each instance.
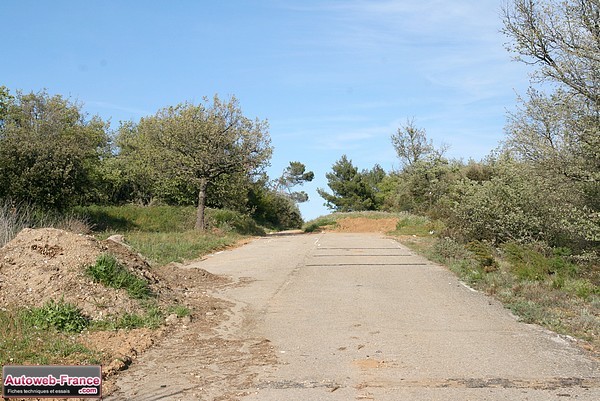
(108, 272)
(529, 263)
(179, 310)
(22, 343)
(274, 210)
(60, 315)
(352, 190)
(483, 253)
(410, 224)
(295, 174)
(319, 222)
(412, 145)
(195, 145)
(232, 221)
(49, 151)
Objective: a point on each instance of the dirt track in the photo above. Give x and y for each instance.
(355, 317)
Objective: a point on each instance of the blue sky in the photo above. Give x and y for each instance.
(332, 77)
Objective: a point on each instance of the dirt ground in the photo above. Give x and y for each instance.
(43, 264)
(365, 225)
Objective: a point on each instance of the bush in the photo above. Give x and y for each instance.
(483, 254)
(110, 273)
(229, 220)
(275, 210)
(49, 151)
(529, 263)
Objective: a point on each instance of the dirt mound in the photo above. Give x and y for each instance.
(43, 264)
(365, 225)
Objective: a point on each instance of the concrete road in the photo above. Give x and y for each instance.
(360, 317)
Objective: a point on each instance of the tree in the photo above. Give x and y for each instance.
(50, 150)
(198, 144)
(411, 144)
(557, 129)
(352, 190)
(293, 175)
(562, 39)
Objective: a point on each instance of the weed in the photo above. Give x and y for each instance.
(23, 343)
(152, 320)
(179, 310)
(60, 315)
(108, 272)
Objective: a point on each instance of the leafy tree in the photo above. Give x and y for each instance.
(295, 174)
(352, 190)
(199, 144)
(412, 145)
(50, 150)
(558, 131)
(562, 39)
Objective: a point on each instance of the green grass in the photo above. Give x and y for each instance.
(22, 342)
(179, 310)
(144, 218)
(166, 234)
(162, 248)
(108, 272)
(58, 315)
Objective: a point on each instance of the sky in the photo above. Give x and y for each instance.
(332, 77)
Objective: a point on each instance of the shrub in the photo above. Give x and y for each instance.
(319, 222)
(230, 220)
(275, 210)
(483, 254)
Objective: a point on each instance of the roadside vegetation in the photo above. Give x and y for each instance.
(523, 223)
(549, 286)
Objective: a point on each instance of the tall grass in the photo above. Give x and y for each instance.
(166, 234)
(14, 217)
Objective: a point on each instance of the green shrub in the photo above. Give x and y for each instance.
(108, 272)
(529, 263)
(275, 210)
(230, 220)
(483, 254)
(60, 315)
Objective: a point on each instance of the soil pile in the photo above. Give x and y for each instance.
(43, 264)
(365, 225)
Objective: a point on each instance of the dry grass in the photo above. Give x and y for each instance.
(15, 217)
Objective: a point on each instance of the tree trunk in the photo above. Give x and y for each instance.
(200, 225)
